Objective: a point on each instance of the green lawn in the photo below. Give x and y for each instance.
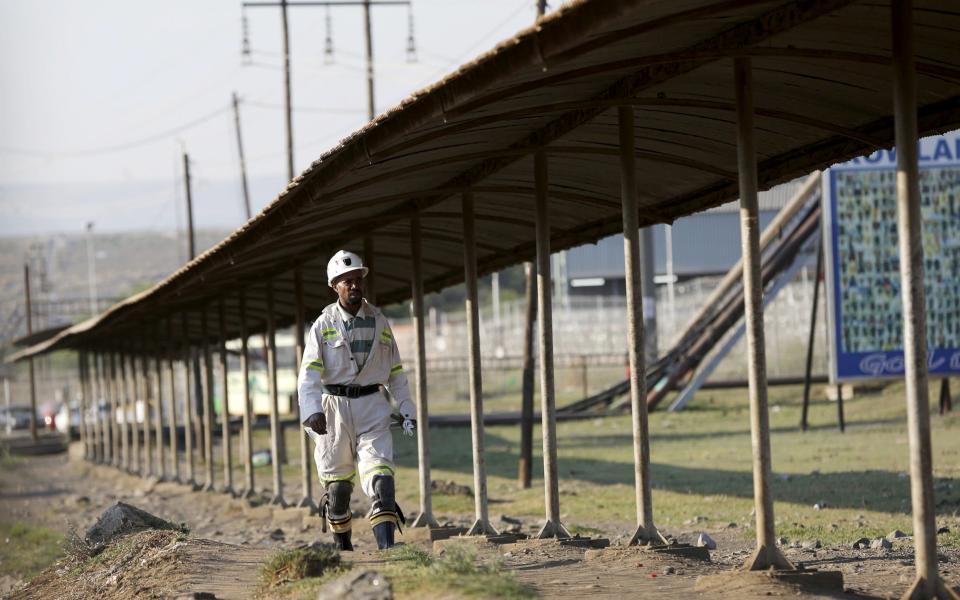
(26, 550)
(701, 466)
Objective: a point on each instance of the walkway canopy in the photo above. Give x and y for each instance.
(822, 82)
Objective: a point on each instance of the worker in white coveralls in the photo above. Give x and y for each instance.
(350, 353)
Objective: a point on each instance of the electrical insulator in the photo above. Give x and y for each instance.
(411, 44)
(328, 42)
(245, 45)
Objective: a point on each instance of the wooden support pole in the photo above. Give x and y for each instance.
(208, 416)
(274, 407)
(425, 518)
(225, 405)
(299, 335)
(767, 554)
(928, 583)
(525, 470)
(189, 376)
(646, 532)
(247, 448)
(808, 372)
(481, 525)
(553, 527)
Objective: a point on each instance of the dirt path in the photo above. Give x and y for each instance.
(231, 539)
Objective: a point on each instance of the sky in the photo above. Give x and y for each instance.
(100, 99)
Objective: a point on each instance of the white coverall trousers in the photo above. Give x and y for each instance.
(358, 438)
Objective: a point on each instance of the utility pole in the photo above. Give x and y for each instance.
(186, 178)
(33, 378)
(92, 270)
(286, 83)
(369, 40)
(366, 4)
(243, 161)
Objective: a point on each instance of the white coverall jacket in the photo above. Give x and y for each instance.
(358, 429)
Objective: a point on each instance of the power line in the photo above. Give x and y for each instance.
(50, 154)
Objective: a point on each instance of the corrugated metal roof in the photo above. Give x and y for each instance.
(822, 94)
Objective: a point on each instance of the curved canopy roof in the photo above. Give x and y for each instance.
(822, 92)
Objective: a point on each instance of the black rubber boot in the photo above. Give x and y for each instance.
(343, 541)
(384, 534)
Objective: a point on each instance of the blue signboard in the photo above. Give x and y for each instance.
(863, 268)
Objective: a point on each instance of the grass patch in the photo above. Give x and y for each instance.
(26, 550)
(290, 565)
(459, 568)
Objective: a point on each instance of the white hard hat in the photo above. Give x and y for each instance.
(344, 262)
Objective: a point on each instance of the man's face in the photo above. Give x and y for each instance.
(350, 289)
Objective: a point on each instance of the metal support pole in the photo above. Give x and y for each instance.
(646, 532)
(97, 380)
(32, 374)
(125, 400)
(482, 524)
(370, 262)
(767, 554)
(147, 399)
(525, 470)
(161, 471)
(208, 416)
(425, 518)
(274, 408)
(928, 583)
(172, 418)
(553, 527)
(115, 458)
(248, 489)
(225, 406)
(810, 339)
(84, 399)
(189, 375)
(299, 334)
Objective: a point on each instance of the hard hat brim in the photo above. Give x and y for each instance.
(333, 281)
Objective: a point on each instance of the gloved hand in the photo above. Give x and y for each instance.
(407, 427)
(317, 422)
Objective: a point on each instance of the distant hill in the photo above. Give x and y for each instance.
(126, 263)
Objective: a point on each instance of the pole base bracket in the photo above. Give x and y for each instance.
(481, 527)
(553, 529)
(425, 519)
(918, 591)
(767, 557)
(648, 535)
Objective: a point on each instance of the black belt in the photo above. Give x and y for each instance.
(351, 391)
